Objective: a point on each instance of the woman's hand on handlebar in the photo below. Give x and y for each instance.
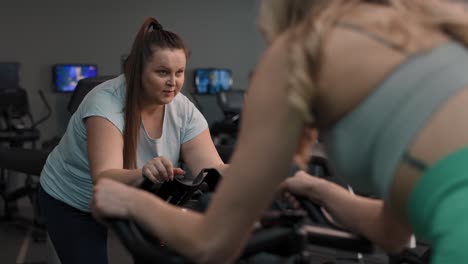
(304, 184)
(112, 199)
(160, 169)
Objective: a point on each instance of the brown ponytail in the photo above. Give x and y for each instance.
(151, 36)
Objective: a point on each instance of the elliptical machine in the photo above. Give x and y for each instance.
(224, 132)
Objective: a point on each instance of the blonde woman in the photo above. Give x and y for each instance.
(384, 81)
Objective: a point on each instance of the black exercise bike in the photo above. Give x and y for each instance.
(282, 235)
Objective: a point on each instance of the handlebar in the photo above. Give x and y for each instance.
(146, 248)
(286, 238)
(143, 247)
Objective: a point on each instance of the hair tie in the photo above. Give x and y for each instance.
(157, 26)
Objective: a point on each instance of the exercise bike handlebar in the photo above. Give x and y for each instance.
(283, 239)
(142, 247)
(146, 248)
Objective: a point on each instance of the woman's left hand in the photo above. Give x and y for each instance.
(112, 199)
(304, 184)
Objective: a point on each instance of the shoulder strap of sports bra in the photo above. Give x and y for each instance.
(376, 37)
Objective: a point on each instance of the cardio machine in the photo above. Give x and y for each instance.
(17, 128)
(224, 132)
(282, 234)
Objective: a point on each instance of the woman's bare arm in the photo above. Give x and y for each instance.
(368, 217)
(269, 135)
(200, 153)
(105, 152)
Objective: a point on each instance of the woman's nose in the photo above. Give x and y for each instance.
(171, 82)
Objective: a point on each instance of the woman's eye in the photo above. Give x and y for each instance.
(162, 72)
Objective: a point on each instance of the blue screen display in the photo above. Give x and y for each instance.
(66, 76)
(212, 81)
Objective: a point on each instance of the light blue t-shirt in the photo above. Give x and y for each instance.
(66, 174)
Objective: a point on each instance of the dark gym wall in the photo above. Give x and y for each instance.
(38, 34)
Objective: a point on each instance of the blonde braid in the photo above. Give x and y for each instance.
(305, 56)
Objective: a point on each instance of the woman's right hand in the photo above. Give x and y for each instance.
(112, 199)
(160, 169)
(304, 184)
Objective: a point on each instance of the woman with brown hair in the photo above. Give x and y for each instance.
(136, 124)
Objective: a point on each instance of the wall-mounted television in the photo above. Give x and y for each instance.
(9, 74)
(212, 80)
(66, 76)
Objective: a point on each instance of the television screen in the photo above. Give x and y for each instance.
(9, 74)
(66, 76)
(211, 81)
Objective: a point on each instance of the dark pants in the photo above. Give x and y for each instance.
(76, 235)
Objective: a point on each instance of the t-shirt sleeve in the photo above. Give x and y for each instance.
(195, 122)
(103, 103)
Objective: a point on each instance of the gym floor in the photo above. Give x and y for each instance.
(20, 243)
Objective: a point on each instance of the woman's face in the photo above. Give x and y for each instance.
(163, 75)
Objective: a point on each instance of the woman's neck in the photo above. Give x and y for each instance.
(150, 108)
(152, 117)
